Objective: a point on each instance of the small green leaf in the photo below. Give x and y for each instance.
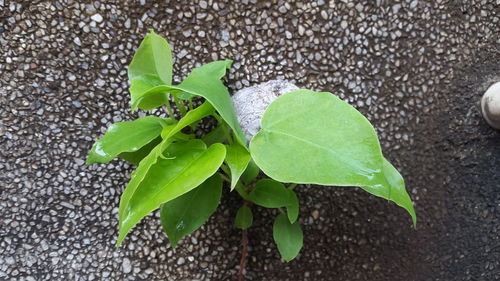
(186, 213)
(158, 180)
(311, 137)
(270, 194)
(128, 136)
(288, 237)
(237, 158)
(150, 67)
(251, 173)
(244, 218)
(292, 209)
(391, 186)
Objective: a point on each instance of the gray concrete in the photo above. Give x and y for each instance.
(416, 69)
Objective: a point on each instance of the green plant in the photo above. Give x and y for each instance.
(306, 138)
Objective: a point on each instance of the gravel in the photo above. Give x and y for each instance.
(63, 81)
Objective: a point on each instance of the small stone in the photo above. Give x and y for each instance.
(324, 15)
(77, 41)
(181, 261)
(126, 266)
(127, 23)
(96, 18)
(203, 4)
(301, 30)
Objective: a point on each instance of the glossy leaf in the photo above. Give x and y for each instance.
(312, 137)
(136, 156)
(186, 213)
(184, 167)
(244, 218)
(270, 194)
(391, 186)
(128, 136)
(237, 158)
(292, 208)
(150, 67)
(205, 82)
(251, 173)
(288, 237)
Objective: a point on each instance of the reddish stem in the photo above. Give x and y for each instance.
(244, 244)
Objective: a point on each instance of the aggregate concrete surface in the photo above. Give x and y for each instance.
(416, 69)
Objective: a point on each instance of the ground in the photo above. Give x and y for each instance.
(415, 68)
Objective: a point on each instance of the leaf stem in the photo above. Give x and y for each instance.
(190, 103)
(224, 127)
(169, 109)
(292, 186)
(225, 178)
(180, 105)
(241, 190)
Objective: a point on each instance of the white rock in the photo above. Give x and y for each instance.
(96, 18)
(250, 103)
(490, 105)
(126, 265)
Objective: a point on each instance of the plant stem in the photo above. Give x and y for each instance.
(190, 103)
(169, 109)
(225, 178)
(244, 245)
(224, 127)
(292, 186)
(180, 105)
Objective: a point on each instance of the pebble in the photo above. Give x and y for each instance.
(97, 18)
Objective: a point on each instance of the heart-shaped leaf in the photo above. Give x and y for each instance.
(310, 137)
(186, 213)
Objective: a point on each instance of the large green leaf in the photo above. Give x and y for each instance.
(391, 186)
(205, 82)
(128, 136)
(270, 194)
(185, 166)
(288, 237)
(186, 213)
(237, 158)
(244, 218)
(312, 137)
(150, 67)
